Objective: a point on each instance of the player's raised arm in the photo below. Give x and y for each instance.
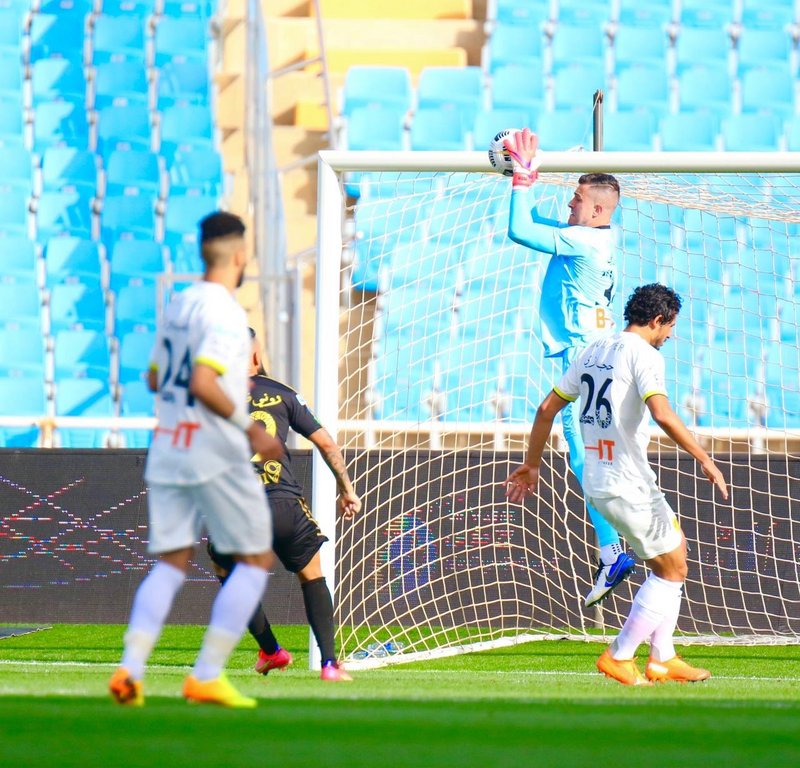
(348, 502)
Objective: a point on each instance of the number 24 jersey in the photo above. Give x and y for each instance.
(614, 376)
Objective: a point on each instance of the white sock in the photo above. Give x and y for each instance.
(662, 647)
(653, 601)
(232, 609)
(609, 553)
(149, 612)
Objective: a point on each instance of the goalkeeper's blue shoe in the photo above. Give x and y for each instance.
(610, 576)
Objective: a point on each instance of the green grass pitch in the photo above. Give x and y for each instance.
(539, 704)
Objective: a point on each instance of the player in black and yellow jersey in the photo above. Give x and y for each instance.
(296, 536)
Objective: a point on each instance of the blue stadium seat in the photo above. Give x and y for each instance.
(135, 309)
(488, 314)
(706, 88)
(19, 260)
(141, 9)
(793, 134)
(417, 312)
(520, 89)
(125, 127)
(582, 13)
(136, 400)
(64, 6)
(575, 85)
(387, 87)
(456, 88)
(12, 21)
(63, 213)
(60, 123)
(183, 216)
(768, 90)
(72, 260)
(371, 128)
(198, 171)
(11, 76)
(514, 44)
(565, 129)
(121, 83)
(522, 12)
(180, 39)
(578, 45)
(135, 172)
(75, 306)
(118, 38)
(750, 133)
(762, 48)
(487, 121)
(127, 217)
(639, 45)
(643, 88)
(202, 9)
(437, 129)
(81, 354)
(757, 14)
(696, 46)
(185, 259)
(22, 352)
(185, 127)
(21, 396)
(17, 170)
(705, 14)
(53, 79)
(83, 397)
(789, 321)
(633, 13)
(20, 306)
(469, 382)
(60, 35)
(134, 356)
(460, 215)
(525, 382)
(12, 122)
(628, 131)
(65, 169)
(136, 262)
(402, 392)
(688, 132)
(182, 83)
(427, 265)
(14, 213)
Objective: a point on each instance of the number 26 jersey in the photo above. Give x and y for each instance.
(191, 444)
(614, 376)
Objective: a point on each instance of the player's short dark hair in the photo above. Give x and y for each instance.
(252, 332)
(600, 180)
(647, 302)
(221, 224)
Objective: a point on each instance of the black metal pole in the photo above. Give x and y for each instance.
(597, 119)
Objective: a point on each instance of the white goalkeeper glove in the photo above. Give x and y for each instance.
(522, 146)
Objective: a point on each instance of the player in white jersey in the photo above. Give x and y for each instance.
(198, 471)
(620, 381)
(575, 304)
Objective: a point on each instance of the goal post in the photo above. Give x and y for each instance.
(428, 371)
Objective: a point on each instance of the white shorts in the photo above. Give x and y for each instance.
(644, 518)
(232, 506)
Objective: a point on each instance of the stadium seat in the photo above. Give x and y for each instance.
(487, 314)
(180, 39)
(763, 48)
(792, 132)
(789, 321)
(12, 122)
(401, 392)
(520, 89)
(582, 13)
(633, 13)
(12, 24)
(705, 14)
(17, 170)
(705, 88)
(388, 87)
(768, 90)
(118, 38)
(524, 381)
(119, 84)
(437, 130)
(80, 354)
(371, 128)
(14, 213)
(135, 309)
(198, 171)
(72, 260)
(60, 35)
(20, 306)
(22, 352)
(135, 172)
(688, 132)
(699, 45)
(750, 133)
(11, 76)
(429, 265)
(576, 84)
(21, 396)
(63, 213)
(756, 14)
(60, 123)
(183, 216)
(75, 306)
(136, 262)
(53, 79)
(514, 45)
(456, 88)
(487, 121)
(127, 217)
(469, 382)
(638, 46)
(185, 127)
(65, 169)
(185, 259)
(628, 131)
(521, 12)
(141, 9)
(182, 84)
(136, 400)
(565, 129)
(64, 6)
(643, 88)
(19, 261)
(578, 45)
(125, 127)
(202, 9)
(134, 356)
(83, 397)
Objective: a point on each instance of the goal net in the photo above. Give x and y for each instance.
(430, 369)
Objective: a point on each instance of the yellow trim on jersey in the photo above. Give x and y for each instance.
(647, 395)
(153, 367)
(218, 367)
(563, 396)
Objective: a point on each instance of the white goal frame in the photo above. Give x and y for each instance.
(332, 164)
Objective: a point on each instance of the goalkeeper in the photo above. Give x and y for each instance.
(575, 304)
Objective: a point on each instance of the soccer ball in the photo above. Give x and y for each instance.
(498, 155)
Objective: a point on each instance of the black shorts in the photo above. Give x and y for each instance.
(296, 537)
